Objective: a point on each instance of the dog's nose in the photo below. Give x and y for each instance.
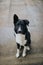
(19, 32)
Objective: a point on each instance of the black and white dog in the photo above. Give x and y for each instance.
(23, 40)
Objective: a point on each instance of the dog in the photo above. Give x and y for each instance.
(23, 37)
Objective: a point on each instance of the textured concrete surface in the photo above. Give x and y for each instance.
(31, 10)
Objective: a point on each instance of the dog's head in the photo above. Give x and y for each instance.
(20, 25)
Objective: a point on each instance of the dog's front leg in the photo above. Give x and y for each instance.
(18, 53)
(24, 51)
(18, 50)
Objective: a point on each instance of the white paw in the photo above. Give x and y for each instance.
(28, 48)
(24, 54)
(17, 55)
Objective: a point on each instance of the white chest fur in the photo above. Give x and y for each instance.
(20, 38)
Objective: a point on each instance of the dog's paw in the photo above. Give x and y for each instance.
(24, 54)
(28, 48)
(17, 55)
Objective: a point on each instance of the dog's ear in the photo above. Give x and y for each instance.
(26, 22)
(15, 19)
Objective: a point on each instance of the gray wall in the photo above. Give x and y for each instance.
(29, 9)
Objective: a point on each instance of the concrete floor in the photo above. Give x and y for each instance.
(31, 10)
